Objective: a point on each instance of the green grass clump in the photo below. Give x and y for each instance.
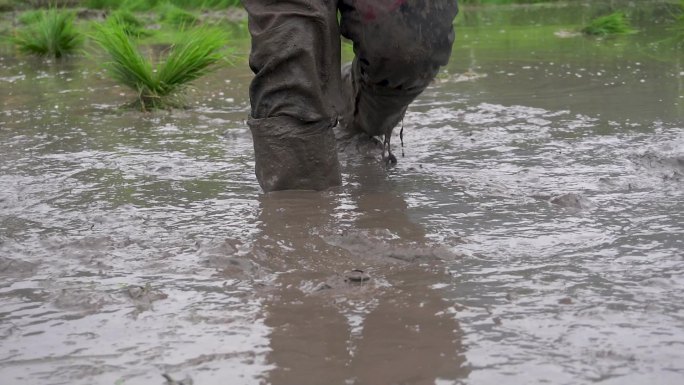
(147, 5)
(102, 4)
(206, 4)
(130, 5)
(678, 28)
(163, 85)
(613, 24)
(53, 34)
(30, 17)
(177, 16)
(131, 24)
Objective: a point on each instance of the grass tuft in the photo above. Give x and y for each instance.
(161, 86)
(177, 16)
(131, 24)
(147, 5)
(678, 28)
(131, 5)
(51, 34)
(30, 17)
(613, 24)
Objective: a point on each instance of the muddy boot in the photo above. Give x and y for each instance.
(366, 126)
(351, 140)
(295, 155)
(399, 47)
(294, 94)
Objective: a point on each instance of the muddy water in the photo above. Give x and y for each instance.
(533, 231)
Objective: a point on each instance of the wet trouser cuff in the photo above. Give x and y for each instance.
(294, 155)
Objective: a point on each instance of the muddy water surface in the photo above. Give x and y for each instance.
(533, 231)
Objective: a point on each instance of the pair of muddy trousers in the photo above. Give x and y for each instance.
(299, 93)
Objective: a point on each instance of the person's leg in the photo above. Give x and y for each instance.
(295, 92)
(399, 47)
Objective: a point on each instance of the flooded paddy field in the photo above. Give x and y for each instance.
(532, 232)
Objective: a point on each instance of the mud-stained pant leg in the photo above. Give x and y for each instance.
(294, 95)
(399, 47)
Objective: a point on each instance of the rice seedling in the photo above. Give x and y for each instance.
(206, 4)
(678, 27)
(131, 24)
(613, 24)
(50, 3)
(131, 5)
(147, 5)
(177, 16)
(53, 34)
(162, 85)
(30, 17)
(127, 17)
(102, 4)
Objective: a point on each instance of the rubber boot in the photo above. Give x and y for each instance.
(295, 155)
(351, 139)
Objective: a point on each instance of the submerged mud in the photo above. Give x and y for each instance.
(528, 234)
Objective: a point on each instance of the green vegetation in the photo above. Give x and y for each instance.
(206, 4)
(129, 5)
(177, 16)
(147, 5)
(678, 28)
(614, 24)
(30, 17)
(163, 85)
(52, 34)
(131, 24)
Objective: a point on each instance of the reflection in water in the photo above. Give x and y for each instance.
(393, 329)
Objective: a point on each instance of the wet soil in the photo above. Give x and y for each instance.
(532, 231)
